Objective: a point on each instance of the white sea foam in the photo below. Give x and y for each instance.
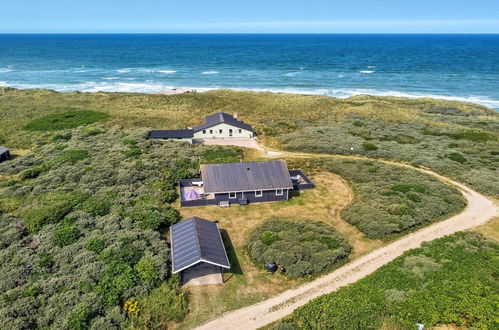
(210, 72)
(290, 74)
(123, 70)
(371, 66)
(167, 71)
(5, 70)
(111, 78)
(366, 71)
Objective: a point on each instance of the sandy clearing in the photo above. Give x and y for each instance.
(479, 210)
(251, 143)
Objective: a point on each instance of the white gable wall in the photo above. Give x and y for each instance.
(223, 130)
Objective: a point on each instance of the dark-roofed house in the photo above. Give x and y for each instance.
(4, 154)
(198, 252)
(217, 126)
(222, 125)
(241, 183)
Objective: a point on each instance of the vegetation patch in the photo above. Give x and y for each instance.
(82, 235)
(452, 280)
(65, 120)
(391, 199)
(454, 148)
(222, 155)
(302, 247)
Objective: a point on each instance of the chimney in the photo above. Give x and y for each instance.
(235, 115)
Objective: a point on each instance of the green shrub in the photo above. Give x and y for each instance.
(369, 146)
(66, 234)
(96, 206)
(96, 245)
(71, 156)
(457, 157)
(168, 297)
(269, 237)
(54, 208)
(32, 291)
(148, 271)
(80, 318)
(132, 152)
(118, 276)
(458, 272)
(45, 260)
(64, 120)
(61, 136)
(32, 172)
(302, 247)
(129, 142)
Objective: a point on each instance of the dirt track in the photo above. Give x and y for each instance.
(478, 211)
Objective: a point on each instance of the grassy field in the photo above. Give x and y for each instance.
(69, 189)
(450, 282)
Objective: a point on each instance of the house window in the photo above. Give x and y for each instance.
(258, 193)
(230, 132)
(232, 195)
(279, 192)
(240, 130)
(220, 131)
(204, 131)
(211, 131)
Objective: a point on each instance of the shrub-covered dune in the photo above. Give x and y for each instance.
(451, 281)
(301, 247)
(457, 139)
(81, 231)
(389, 199)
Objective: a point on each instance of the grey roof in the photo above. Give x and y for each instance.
(197, 240)
(247, 176)
(3, 149)
(171, 133)
(221, 117)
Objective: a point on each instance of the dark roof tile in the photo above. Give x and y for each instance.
(196, 240)
(246, 176)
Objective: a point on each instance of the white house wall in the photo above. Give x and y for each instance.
(214, 132)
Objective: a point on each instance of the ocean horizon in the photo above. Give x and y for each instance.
(460, 67)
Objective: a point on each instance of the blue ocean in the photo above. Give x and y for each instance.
(454, 67)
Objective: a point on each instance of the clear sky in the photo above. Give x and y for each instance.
(250, 16)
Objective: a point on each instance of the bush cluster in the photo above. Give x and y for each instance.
(65, 120)
(464, 150)
(303, 247)
(391, 199)
(83, 238)
(452, 280)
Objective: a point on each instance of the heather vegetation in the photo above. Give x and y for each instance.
(449, 282)
(63, 120)
(82, 226)
(468, 153)
(389, 199)
(302, 247)
(459, 140)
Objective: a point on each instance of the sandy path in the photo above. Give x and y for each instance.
(478, 211)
